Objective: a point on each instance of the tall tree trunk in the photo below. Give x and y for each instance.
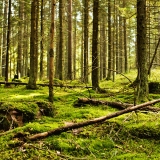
(121, 55)
(69, 74)
(20, 40)
(4, 37)
(42, 40)
(95, 70)
(33, 46)
(142, 88)
(51, 53)
(109, 42)
(1, 37)
(8, 41)
(104, 49)
(86, 30)
(75, 46)
(61, 39)
(125, 40)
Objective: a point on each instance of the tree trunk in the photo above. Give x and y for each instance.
(42, 40)
(125, 40)
(95, 70)
(70, 58)
(61, 40)
(51, 53)
(4, 37)
(142, 88)
(86, 30)
(8, 42)
(20, 40)
(109, 42)
(33, 46)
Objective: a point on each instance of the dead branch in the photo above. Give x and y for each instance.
(46, 85)
(60, 130)
(118, 105)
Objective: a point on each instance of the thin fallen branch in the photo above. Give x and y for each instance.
(60, 130)
(46, 85)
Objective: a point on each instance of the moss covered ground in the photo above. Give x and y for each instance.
(133, 136)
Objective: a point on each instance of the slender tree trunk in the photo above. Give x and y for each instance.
(142, 88)
(125, 40)
(109, 42)
(20, 40)
(95, 70)
(61, 39)
(51, 53)
(1, 37)
(86, 30)
(42, 40)
(104, 49)
(4, 37)
(8, 42)
(75, 47)
(70, 58)
(33, 46)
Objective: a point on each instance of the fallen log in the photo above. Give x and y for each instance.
(46, 85)
(118, 105)
(60, 130)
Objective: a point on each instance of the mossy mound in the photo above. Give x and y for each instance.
(13, 114)
(46, 108)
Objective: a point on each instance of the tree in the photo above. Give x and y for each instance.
(109, 42)
(42, 40)
(61, 40)
(4, 37)
(86, 29)
(95, 70)
(8, 41)
(20, 40)
(51, 53)
(33, 46)
(69, 74)
(142, 88)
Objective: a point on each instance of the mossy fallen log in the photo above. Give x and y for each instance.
(117, 105)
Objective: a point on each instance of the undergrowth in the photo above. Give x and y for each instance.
(132, 136)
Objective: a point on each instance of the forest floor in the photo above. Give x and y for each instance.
(131, 136)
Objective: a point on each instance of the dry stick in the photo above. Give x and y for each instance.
(60, 130)
(155, 52)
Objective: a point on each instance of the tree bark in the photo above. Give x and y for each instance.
(86, 30)
(8, 42)
(118, 105)
(70, 53)
(109, 42)
(60, 130)
(95, 70)
(142, 57)
(33, 46)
